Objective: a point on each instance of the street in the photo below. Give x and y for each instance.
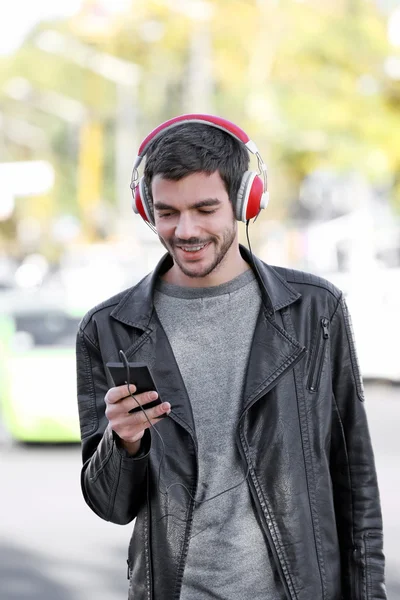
(52, 547)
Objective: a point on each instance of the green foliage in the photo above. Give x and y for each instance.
(306, 80)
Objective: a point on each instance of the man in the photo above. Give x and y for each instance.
(260, 482)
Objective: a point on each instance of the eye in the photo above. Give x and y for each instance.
(207, 212)
(165, 215)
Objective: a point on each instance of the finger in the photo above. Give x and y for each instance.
(155, 413)
(140, 399)
(131, 427)
(115, 394)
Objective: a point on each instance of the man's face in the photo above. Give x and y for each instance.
(195, 221)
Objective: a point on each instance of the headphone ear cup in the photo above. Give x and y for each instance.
(142, 203)
(248, 201)
(147, 200)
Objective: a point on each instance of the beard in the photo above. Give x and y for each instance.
(221, 246)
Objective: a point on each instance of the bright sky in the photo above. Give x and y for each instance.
(19, 16)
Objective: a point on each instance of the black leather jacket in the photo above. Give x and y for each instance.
(302, 435)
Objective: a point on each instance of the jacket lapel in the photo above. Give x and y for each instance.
(153, 348)
(273, 353)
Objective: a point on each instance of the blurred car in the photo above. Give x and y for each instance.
(376, 324)
(372, 299)
(38, 372)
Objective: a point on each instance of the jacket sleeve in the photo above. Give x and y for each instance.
(354, 480)
(113, 483)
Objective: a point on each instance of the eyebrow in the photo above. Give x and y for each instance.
(201, 204)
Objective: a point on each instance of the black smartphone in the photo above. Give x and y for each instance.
(139, 376)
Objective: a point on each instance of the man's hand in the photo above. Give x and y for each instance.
(130, 428)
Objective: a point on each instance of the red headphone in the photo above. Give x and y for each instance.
(253, 191)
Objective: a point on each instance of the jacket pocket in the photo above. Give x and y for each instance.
(318, 356)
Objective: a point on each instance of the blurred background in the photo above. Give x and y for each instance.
(315, 83)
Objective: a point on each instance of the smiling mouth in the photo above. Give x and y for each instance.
(192, 248)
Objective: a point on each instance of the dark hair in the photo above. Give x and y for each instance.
(194, 147)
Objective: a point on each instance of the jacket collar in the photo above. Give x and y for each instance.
(136, 307)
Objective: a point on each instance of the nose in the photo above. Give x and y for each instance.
(186, 227)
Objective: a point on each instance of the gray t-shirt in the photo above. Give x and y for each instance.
(210, 331)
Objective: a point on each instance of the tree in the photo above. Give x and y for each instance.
(305, 80)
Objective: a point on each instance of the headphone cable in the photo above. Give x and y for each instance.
(128, 383)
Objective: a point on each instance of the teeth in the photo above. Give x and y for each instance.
(192, 248)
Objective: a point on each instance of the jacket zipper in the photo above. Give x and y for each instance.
(271, 544)
(149, 540)
(129, 561)
(191, 508)
(319, 354)
(255, 495)
(189, 521)
(358, 554)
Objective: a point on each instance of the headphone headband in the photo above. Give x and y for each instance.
(218, 122)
